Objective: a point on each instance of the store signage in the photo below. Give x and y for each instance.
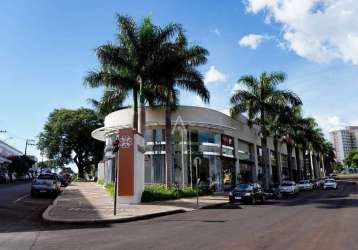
(125, 162)
(227, 141)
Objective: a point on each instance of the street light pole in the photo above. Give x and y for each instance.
(29, 142)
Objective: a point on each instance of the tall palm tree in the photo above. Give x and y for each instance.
(126, 66)
(177, 69)
(329, 156)
(290, 124)
(274, 128)
(259, 99)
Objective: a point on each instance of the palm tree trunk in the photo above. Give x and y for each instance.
(279, 174)
(142, 110)
(265, 165)
(298, 163)
(168, 146)
(135, 109)
(289, 160)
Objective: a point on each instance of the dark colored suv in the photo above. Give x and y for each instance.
(247, 193)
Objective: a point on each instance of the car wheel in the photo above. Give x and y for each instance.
(262, 200)
(253, 201)
(33, 194)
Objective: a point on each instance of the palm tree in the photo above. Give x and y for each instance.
(259, 99)
(176, 70)
(274, 128)
(126, 66)
(110, 101)
(290, 125)
(329, 156)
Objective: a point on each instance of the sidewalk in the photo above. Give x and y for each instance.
(88, 202)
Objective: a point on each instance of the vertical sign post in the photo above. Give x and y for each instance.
(115, 151)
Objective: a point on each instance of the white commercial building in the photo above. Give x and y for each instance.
(6, 152)
(228, 149)
(344, 141)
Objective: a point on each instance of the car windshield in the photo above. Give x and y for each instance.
(47, 177)
(329, 181)
(303, 182)
(287, 184)
(244, 187)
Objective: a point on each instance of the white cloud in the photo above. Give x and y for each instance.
(213, 75)
(318, 30)
(252, 40)
(330, 123)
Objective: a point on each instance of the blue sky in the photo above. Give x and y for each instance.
(46, 48)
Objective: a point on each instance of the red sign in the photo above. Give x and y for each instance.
(125, 162)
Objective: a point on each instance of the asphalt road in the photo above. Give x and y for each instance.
(312, 220)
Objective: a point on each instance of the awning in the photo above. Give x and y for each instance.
(4, 160)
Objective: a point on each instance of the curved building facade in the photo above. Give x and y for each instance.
(226, 150)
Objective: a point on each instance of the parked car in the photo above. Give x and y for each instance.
(330, 184)
(46, 183)
(321, 181)
(288, 187)
(4, 178)
(273, 193)
(305, 185)
(247, 193)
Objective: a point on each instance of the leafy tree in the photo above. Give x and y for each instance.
(66, 138)
(259, 97)
(128, 64)
(20, 164)
(352, 159)
(177, 69)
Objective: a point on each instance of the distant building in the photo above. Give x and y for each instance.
(344, 141)
(7, 151)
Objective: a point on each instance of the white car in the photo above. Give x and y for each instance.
(46, 183)
(305, 185)
(330, 184)
(288, 187)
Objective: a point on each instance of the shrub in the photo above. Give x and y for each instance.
(159, 192)
(100, 182)
(110, 188)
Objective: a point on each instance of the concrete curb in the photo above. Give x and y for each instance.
(46, 217)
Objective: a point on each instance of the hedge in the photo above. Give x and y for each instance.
(159, 192)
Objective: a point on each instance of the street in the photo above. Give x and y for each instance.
(312, 220)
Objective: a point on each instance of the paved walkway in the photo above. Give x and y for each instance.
(88, 202)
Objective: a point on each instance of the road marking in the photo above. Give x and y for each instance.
(21, 198)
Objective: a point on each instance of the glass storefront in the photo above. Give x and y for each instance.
(246, 161)
(285, 172)
(217, 161)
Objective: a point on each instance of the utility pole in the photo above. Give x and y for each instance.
(29, 142)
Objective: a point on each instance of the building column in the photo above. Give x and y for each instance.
(323, 167)
(311, 166)
(256, 166)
